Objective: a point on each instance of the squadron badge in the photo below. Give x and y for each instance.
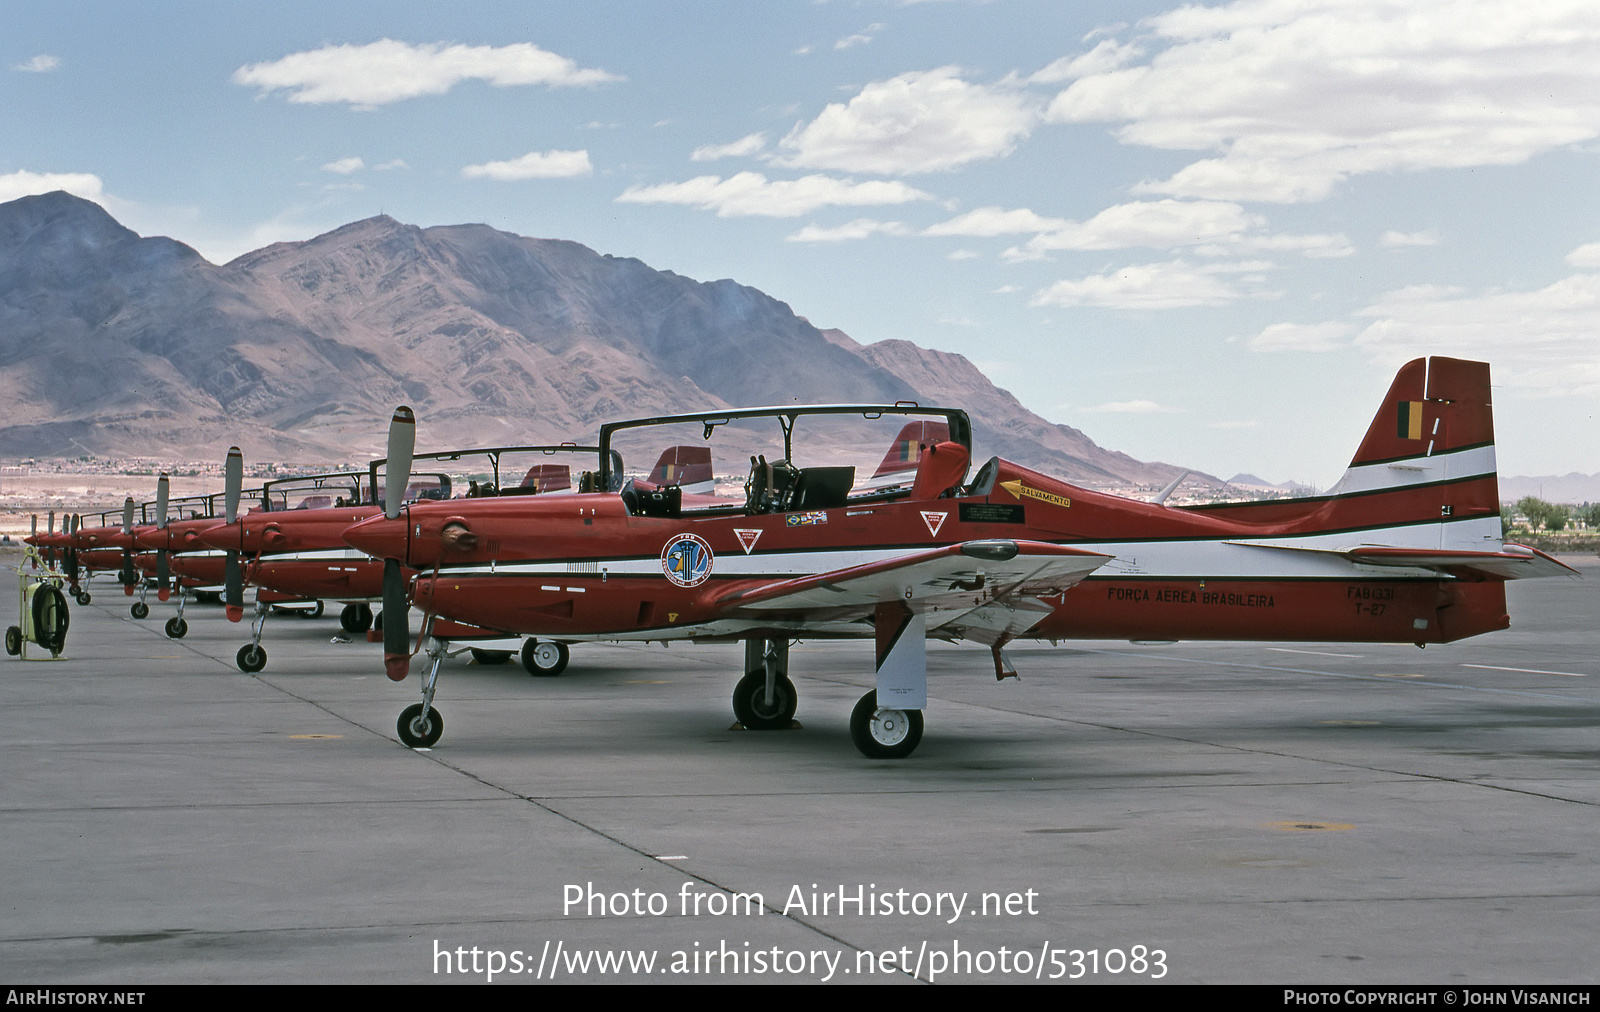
(687, 560)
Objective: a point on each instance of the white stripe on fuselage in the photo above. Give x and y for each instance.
(1230, 558)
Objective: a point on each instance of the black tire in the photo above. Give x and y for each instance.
(884, 734)
(377, 622)
(14, 640)
(139, 610)
(251, 658)
(50, 619)
(355, 618)
(83, 597)
(755, 711)
(177, 628)
(545, 658)
(490, 656)
(418, 733)
(315, 611)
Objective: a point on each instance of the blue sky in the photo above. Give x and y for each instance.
(1206, 234)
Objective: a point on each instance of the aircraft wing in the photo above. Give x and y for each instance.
(980, 590)
(1512, 562)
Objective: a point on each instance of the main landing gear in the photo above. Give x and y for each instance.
(765, 698)
(356, 618)
(544, 658)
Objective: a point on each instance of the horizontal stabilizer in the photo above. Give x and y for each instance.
(1512, 562)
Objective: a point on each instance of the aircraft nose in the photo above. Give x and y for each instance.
(152, 540)
(379, 537)
(223, 536)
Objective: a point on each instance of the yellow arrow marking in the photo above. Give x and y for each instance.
(1018, 490)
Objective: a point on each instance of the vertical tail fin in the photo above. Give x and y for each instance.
(1432, 439)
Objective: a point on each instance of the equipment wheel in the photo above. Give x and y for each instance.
(490, 656)
(14, 640)
(251, 658)
(139, 610)
(884, 734)
(50, 619)
(83, 597)
(355, 618)
(755, 711)
(177, 628)
(416, 732)
(545, 658)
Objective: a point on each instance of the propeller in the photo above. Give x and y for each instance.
(233, 578)
(396, 609)
(72, 549)
(163, 575)
(127, 579)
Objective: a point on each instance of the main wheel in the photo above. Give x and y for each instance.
(758, 713)
(415, 730)
(251, 658)
(177, 628)
(315, 612)
(14, 640)
(884, 734)
(355, 618)
(490, 656)
(545, 658)
(139, 610)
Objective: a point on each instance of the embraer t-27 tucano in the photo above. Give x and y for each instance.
(1405, 548)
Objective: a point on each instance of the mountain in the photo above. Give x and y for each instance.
(121, 345)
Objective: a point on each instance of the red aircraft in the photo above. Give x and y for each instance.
(1405, 548)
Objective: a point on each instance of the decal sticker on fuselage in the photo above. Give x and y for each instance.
(687, 560)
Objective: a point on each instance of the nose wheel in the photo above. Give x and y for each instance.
(251, 658)
(419, 730)
(177, 628)
(884, 733)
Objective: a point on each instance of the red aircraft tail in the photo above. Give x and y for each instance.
(905, 453)
(688, 466)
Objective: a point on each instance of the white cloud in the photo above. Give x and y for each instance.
(1168, 285)
(961, 254)
(533, 165)
(860, 38)
(1298, 95)
(861, 228)
(1160, 224)
(345, 166)
(750, 193)
(926, 121)
(395, 163)
(742, 148)
(1541, 342)
(1107, 55)
(1587, 255)
(25, 184)
(41, 64)
(1303, 337)
(1397, 239)
(1133, 408)
(987, 222)
(389, 71)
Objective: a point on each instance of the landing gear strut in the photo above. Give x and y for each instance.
(420, 725)
(252, 657)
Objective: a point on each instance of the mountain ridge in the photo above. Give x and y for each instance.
(116, 344)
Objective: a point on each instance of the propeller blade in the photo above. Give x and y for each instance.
(397, 472)
(396, 622)
(233, 476)
(163, 573)
(233, 587)
(127, 577)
